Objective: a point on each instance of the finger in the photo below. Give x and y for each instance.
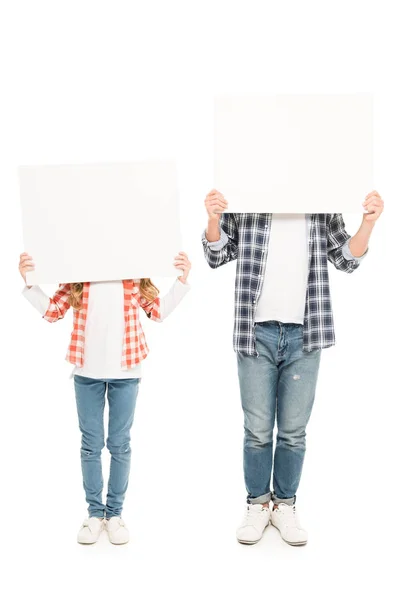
(218, 203)
(25, 264)
(371, 196)
(181, 256)
(215, 199)
(213, 194)
(373, 193)
(372, 200)
(181, 253)
(373, 206)
(181, 262)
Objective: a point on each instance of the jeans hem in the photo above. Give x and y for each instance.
(260, 499)
(289, 501)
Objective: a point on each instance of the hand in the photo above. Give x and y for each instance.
(182, 262)
(25, 264)
(374, 204)
(215, 201)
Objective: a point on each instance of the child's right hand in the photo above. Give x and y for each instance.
(25, 264)
(215, 201)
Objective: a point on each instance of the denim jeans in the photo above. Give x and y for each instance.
(280, 385)
(90, 400)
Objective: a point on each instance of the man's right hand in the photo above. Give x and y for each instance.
(215, 204)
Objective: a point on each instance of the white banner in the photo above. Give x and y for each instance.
(294, 153)
(100, 222)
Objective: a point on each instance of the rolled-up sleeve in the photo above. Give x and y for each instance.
(338, 245)
(225, 249)
(348, 255)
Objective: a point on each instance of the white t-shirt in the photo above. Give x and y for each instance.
(283, 294)
(105, 326)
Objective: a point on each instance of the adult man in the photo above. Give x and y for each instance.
(283, 319)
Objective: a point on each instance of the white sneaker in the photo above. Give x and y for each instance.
(90, 531)
(285, 518)
(255, 520)
(117, 531)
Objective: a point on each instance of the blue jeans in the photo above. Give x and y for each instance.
(278, 384)
(90, 400)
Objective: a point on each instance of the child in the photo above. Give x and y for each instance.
(283, 320)
(107, 347)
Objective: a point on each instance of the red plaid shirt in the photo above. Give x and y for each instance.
(134, 348)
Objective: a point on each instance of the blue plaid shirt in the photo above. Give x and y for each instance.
(244, 237)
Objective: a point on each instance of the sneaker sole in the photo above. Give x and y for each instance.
(290, 543)
(118, 543)
(247, 543)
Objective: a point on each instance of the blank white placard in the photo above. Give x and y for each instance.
(294, 153)
(100, 222)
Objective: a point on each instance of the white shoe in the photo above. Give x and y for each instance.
(255, 520)
(117, 531)
(285, 518)
(90, 531)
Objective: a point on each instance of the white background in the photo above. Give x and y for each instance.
(93, 81)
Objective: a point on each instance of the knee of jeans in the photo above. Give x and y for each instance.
(258, 438)
(292, 439)
(91, 447)
(113, 448)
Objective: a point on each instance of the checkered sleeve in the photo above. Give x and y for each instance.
(226, 248)
(152, 309)
(58, 304)
(337, 244)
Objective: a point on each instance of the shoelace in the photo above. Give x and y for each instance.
(289, 512)
(86, 523)
(252, 516)
(120, 522)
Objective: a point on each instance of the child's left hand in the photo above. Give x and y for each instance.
(373, 203)
(183, 263)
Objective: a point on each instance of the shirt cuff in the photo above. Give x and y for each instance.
(348, 255)
(184, 286)
(36, 296)
(219, 244)
(170, 301)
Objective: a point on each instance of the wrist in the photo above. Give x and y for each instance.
(212, 231)
(367, 225)
(214, 219)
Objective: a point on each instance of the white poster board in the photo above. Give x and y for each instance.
(294, 153)
(100, 222)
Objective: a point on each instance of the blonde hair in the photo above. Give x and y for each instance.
(148, 291)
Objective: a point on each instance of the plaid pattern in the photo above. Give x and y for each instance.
(134, 348)
(245, 237)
